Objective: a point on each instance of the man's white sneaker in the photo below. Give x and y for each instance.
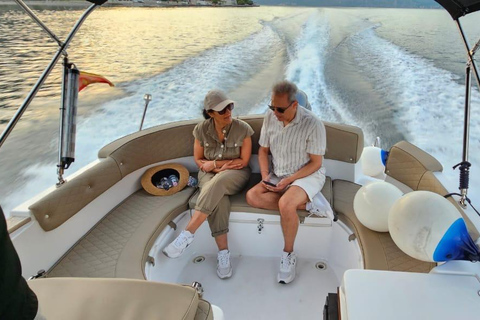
(287, 268)
(176, 248)
(224, 267)
(319, 206)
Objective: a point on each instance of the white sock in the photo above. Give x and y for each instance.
(188, 234)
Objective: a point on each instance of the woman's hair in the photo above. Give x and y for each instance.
(205, 114)
(286, 87)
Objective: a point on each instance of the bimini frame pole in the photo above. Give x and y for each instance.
(62, 50)
(464, 166)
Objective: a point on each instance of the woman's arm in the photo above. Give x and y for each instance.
(198, 154)
(238, 163)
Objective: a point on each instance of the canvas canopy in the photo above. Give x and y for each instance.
(459, 8)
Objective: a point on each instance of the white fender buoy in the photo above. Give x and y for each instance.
(372, 204)
(373, 161)
(428, 227)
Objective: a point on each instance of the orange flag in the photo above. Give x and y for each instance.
(87, 78)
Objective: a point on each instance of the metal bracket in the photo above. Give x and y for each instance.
(151, 260)
(198, 286)
(40, 274)
(352, 237)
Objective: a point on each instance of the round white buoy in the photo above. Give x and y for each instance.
(372, 161)
(420, 220)
(372, 204)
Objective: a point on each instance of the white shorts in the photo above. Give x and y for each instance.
(311, 184)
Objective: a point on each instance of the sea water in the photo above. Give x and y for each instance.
(396, 73)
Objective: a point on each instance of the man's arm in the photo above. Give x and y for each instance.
(263, 161)
(313, 165)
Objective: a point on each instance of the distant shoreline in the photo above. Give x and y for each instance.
(85, 4)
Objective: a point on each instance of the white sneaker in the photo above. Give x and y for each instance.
(287, 268)
(224, 267)
(319, 206)
(176, 248)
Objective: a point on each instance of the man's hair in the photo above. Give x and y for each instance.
(286, 87)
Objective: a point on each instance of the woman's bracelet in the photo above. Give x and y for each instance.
(215, 164)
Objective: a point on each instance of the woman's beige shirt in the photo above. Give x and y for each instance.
(213, 148)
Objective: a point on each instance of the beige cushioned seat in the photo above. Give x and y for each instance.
(239, 202)
(118, 245)
(115, 299)
(378, 249)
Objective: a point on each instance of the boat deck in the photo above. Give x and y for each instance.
(253, 292)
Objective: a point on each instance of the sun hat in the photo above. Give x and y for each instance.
(152, 177)
(216, 100)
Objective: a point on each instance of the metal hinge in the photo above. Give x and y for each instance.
(352, 237)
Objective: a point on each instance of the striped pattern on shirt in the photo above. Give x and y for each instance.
(290, 146)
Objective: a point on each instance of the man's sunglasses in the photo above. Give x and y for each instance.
(228, 107)
(280, 110)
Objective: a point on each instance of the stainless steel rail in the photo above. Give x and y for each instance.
(13, 122)
(464, 166)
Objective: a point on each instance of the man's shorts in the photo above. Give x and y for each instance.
(311, 184)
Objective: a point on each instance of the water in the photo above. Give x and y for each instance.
(398, 74)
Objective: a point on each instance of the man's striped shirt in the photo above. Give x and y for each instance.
(291, 145)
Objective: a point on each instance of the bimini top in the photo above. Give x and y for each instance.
(459, 8)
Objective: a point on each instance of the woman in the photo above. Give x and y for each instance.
(222, 150)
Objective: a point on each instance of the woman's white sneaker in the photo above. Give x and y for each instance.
(224, 267)
(287, 268)
(176, 248)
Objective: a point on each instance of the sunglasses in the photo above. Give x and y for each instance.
(228, 107)
(280, 110)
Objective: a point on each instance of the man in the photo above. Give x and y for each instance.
(296, 139)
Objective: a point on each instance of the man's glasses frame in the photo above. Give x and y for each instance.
(280, 110)
(224, 110)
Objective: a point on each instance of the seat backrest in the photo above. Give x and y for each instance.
(154, 145)
(415, 168)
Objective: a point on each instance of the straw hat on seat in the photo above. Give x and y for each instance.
(153, 175)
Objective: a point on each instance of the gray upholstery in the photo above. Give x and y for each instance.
(239, 203)
(378, 249)
(118, 245)
(415, 168)
(408, 163)
(165, 142)
(61, 204)
(344, 143)
(117, 299)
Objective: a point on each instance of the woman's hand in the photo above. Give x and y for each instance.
(231, 166)
(207, 166)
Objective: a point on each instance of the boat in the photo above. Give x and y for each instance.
(92, 244)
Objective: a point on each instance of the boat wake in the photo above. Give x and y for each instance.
(427, 102)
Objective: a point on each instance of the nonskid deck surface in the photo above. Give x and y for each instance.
(254, 293)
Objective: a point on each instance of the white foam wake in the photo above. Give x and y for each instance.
(177, 95)
(307, 69)
(428, 101)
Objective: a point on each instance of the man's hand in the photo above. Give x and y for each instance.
(281, 186)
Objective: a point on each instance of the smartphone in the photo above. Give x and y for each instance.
(269, 183)
(272, 180)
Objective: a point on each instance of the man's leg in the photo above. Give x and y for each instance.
(288, 204)
(259, 197)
